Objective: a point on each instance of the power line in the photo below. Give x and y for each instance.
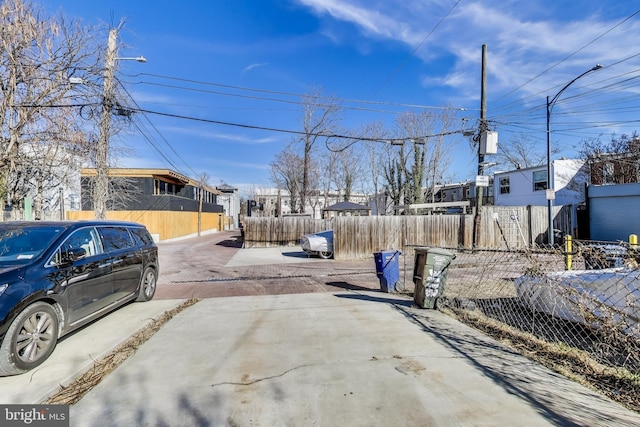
(570, 55)
(392, 141)
(415, 49)
(273, 92)
(152, 142)
(595, 91)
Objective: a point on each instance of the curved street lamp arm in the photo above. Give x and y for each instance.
(555, 98)
(550, 184)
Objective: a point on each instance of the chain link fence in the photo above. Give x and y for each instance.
(573, 307)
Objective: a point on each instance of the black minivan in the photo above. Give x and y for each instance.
(56, 276)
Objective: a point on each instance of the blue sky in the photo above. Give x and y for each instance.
(231, 61)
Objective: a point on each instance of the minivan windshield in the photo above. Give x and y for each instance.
(21, 245)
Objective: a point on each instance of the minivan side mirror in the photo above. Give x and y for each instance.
(73, 254)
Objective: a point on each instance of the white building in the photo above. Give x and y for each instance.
(524, 187)
(230, 201)
(276, 202)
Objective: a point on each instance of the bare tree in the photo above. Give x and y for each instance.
(350, 170)
(417, 155)
(287, 174)
(342, 169)
(394, 172)
(373, 150)
(39, 132)
(327, 180)
(319, 123)
(374, 134)
(520, 152)
(617, 161)
(438, 156)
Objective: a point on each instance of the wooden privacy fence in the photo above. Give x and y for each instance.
(501, 227)
(285, 231)
(164, 225)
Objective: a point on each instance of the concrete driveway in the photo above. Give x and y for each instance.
(333, 359)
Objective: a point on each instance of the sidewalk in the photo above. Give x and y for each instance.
(333, 359)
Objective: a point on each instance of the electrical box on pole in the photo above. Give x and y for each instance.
(489, 142)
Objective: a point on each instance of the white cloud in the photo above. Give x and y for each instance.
(523, 39)
(252, 66)
(211, 135)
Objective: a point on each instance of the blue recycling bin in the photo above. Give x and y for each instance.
(387, 269)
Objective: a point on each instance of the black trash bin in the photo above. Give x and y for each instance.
(430, 274)
(387, 269)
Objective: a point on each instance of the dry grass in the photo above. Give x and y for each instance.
(74, 391)
(618, 384)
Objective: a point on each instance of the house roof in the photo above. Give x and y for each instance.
(347, 206)
(226, 188)
(166, 174)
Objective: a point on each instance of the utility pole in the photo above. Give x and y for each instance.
(61, 198)
(101, 184)
(483, 128)
(200, 191)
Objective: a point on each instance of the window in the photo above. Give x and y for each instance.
(539, 180)
(505, 185)
(85, 238)
(608, 173)
(24, 244)
(141, 236)
(115, 238)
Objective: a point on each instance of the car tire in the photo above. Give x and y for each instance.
(148, 285)
(30, 339)
(325, 255)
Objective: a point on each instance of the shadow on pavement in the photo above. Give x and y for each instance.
(234, 242)
(296, 254)
(363, 297)
(348, 286)
(532, 382)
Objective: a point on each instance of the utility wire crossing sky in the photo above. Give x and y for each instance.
(221, 92)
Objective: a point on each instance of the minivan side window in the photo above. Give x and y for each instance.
(85, 238)
(115, 238)
(141, 236)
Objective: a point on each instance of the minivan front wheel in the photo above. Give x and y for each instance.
(30, 339)
(147, 285)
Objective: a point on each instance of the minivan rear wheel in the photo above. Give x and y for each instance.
(147, 285)
(30, 339)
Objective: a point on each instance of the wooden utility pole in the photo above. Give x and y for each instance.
(61, 198)
(101, 184)
(201, 190)
(482, 128)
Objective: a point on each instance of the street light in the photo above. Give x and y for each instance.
(550, 188)
(101, 184)
(133, 58)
